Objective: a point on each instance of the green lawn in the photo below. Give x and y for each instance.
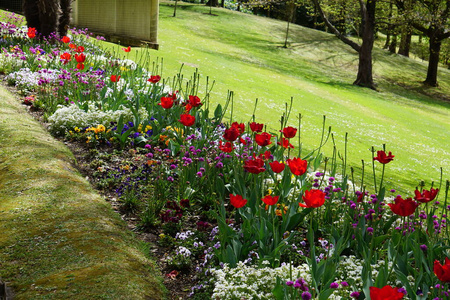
(244, 53)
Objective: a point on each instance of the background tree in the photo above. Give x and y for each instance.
(367, 14)
(48, 16)
(431, 17)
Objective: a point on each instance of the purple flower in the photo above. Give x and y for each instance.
(289, 283)
(344, 283)
(334, 285)
(423, 247)
(306, 296)
(370, 230)
(355, 295)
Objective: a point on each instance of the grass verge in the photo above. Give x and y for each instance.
(59, 239)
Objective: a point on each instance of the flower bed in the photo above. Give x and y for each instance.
(236, 205)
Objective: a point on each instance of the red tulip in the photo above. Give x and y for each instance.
(128, 49)
(227, 147)
(277, 167)
(298, 166)
(115, 78)
(313, 198)
(403, 207)
(80, 49)
(383, 158)
(426, 196)
(256, 127)
(80, 66)
(166, 102)
(154, 78)
(237, 201)
(72, 46)
(442, 271)
(65, 57)
(195, 101)
(187, 119)
(65, 39)
(239, 126)
(254, 166)
(231, 134)
(80, 58)
(266, 155)
(385, 293)
(31, 32)
(269, 200)
(289, 132)
(263, 139)
(285, 143)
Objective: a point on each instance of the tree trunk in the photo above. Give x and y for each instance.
(64, 18)
(365, 76)
(433, 62)
(175, 9)
(405, 41)
(389, 28)
(393, 45)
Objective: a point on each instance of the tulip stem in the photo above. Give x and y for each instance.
(396, 252)
(373, 167)
(382, 177)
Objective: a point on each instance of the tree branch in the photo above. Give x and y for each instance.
(333, 29)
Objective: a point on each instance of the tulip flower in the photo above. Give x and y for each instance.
(166, 102)
(256, 127)
(442, 271)
(285, 143)
(227, 147)
(231, 134)
(263, 139)
(403, 207)
(31, 32)
(383, 158)
(298, 166)
(128, 49)
(254, 166)
(385, 293)
(65, 39)
(65, 57)
(154, 78)
(426, 196)
(289, 132)
(237, 201)
(239, 126)
(79, 49)
(277, 167)
(313, 198)
(195, 101)
(80, 66)
(80, 58)
(187, 120)
(270, 200)
(115, 78)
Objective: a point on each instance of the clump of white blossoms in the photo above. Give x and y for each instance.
(248, 282)
(67, 117)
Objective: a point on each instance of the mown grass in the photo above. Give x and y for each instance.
(59, 239)
(244, 53)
